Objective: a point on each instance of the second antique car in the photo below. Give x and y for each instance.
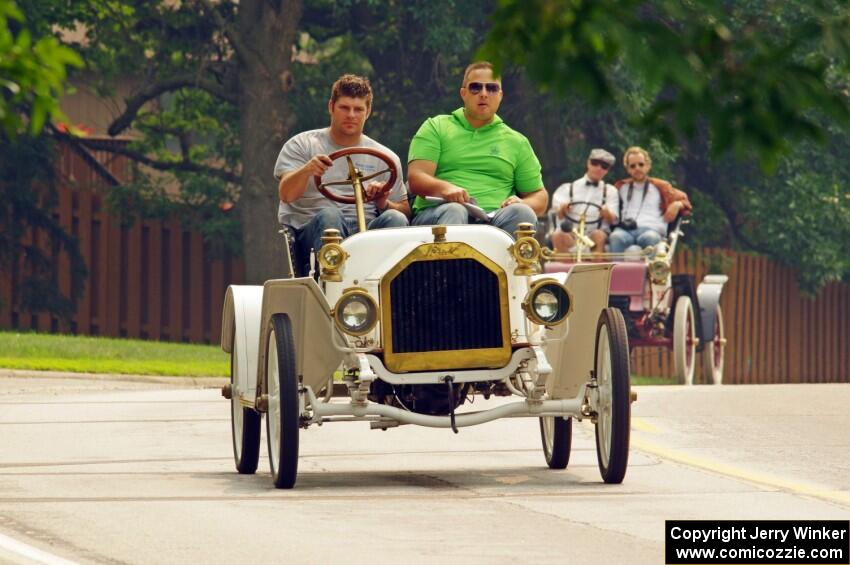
(661, 309)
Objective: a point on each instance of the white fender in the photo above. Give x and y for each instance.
(571, 353)
(240, 323)
(316, 355)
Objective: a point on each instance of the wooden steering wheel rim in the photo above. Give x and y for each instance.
(593, 204)
(357, 151)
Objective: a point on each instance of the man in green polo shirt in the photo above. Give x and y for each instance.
(472, 156)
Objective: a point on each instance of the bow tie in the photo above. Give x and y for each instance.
(591, 183)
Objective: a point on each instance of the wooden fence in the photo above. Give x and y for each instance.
(152, 280)
(155, 280)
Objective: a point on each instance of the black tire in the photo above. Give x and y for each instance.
(245, 434)
(612, 445)
(285, 470)
(558, 454)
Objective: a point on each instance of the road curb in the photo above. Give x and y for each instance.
(189, 382)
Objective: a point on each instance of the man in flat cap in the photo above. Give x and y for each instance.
(591, 196)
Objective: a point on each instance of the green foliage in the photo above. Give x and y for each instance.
(712, 89)
(33, 71)
(414, 53)
(149, 42)
(747, 76)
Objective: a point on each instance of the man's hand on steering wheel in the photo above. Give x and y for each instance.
(579, 207)
(318, 165)
(607, 215)
(378, 192)
(361, 179)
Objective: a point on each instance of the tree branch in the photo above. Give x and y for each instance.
(247, 55)
(169, 166)
(737, 232)
(151, 91)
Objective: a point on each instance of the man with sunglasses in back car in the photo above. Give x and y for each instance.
(647, 204)
(472, 156)
(598, 201)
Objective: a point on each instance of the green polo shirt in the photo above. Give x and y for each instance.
(492, 162)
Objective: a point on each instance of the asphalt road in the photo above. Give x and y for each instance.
(100, 471)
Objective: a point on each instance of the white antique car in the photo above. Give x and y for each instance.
(402, 326)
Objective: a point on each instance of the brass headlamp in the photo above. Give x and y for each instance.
(548, 302)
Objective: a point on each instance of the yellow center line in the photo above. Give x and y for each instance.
(642, 425)
(754, 477)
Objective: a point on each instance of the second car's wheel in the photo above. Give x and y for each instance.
(282, 420)
(557, 436)
(714, 352)
(613, 415)
(244, 421)
(684, 341)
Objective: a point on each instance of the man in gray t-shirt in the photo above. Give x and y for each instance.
(302, 206)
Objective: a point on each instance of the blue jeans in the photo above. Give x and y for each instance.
(452, 213)
(310, 236)
(621, 239)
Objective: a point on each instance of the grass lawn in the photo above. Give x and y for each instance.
(83, 354)
(650, 380)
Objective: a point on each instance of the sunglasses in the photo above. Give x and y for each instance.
(598, 163)
(492, 87)
(634, 165)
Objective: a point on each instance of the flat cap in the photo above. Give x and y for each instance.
(602, 155)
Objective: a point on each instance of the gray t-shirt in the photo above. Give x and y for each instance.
(303, 147)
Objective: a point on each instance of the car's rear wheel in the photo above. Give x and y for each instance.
(244, 421)
(557, 435)
(714, 352)
(684, 341)
(282, 420)
(613, 415)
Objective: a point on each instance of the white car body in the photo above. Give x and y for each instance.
(550, 368)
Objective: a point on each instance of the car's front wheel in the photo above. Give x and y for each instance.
(684, 341)
(613, 414)
(282, 420)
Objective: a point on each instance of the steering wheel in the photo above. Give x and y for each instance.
(577, 220)
(355, 177)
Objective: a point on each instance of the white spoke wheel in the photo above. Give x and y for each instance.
(283, 407)
(714, 352)
(557, 435)
(684, 341)
(244, 421)
(613, 419)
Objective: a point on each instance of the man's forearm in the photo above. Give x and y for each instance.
(402, 206)
(537, 200)
(293, 184)
(423, 184)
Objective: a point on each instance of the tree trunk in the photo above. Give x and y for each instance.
(267, 29)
